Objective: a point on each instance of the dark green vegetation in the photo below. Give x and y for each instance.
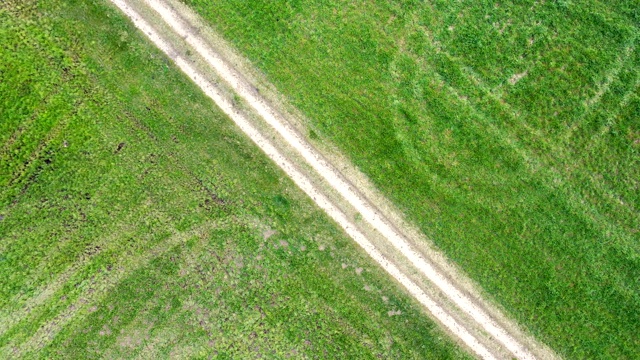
(135, 218)
(509, 132)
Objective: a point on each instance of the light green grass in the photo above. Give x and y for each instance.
(509, 132)
(133, 215)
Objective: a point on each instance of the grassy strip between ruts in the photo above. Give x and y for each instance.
(507, 131)
(136, 221)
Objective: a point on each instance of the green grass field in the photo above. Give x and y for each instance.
(135, 218)
(509, 132)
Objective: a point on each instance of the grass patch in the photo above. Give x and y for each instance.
(136, 220)
(508, 132)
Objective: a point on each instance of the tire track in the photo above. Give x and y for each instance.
(484, 342)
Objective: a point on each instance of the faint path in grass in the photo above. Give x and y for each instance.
(439, 288)
(21, 307)
(560, 179)
(96, 290)
(621, 60)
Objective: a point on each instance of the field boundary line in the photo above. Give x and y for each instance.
(372, 215)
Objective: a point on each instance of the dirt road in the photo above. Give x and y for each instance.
(449, 297)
